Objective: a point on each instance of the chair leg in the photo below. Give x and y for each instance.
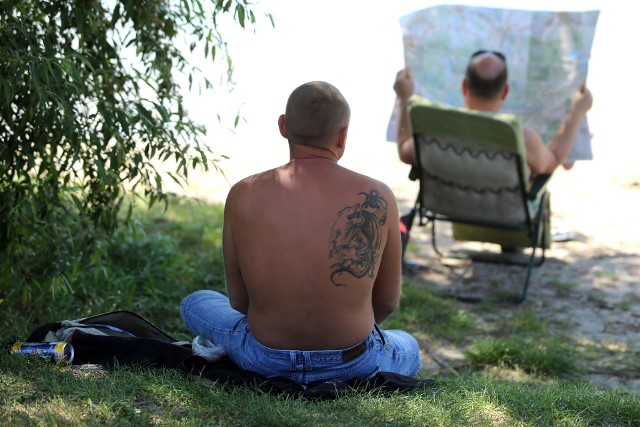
(448, 255)
(543, 228)
(539, 228)
(538, 232)
(433, 239)
(525, 287)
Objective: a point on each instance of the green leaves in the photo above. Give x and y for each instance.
(90, 107)
(240, 15)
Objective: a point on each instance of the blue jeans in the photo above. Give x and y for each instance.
(208, 313)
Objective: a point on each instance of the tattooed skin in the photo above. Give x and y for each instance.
(356, 237)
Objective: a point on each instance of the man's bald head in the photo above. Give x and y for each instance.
(315, 113)
(486, 75)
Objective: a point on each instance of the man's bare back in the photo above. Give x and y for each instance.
(312, 260)
(308, 239)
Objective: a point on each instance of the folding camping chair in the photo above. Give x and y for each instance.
(473, 173)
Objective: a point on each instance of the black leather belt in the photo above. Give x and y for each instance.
(353, 352)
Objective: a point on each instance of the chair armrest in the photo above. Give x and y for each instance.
(414, 174)
(539, 183)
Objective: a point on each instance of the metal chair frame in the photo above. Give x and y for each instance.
(533, 225)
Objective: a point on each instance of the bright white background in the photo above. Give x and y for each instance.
(357, 46)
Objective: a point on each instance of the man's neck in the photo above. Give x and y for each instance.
(303, 152)
(491, 106)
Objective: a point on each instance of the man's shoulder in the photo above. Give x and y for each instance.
(367, 180)
(248, 185)
(361, 183)
(531, 136)
(255, 179)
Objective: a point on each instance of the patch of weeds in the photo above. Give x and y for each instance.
(494, 283)
(589, 350)
(611, 349)
(598, 297)
(421, 310)
(622, 355)
(632, 345)
(522, 342)
(629, 300)
(531, 354)
(561, 324)
(564, 288)
(610, 358)
(527, 322)
(607, 275)
(510, 296)
(504, 373)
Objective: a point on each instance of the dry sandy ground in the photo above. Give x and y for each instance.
(588, 287)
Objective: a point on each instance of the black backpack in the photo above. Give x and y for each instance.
(126, 338)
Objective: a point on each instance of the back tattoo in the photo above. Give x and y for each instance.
(356, 237)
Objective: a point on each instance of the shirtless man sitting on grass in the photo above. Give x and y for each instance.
(312, 260)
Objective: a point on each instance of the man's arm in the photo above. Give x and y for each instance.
(386, 288)
(403, 87)
(544, 159)
(236, 288)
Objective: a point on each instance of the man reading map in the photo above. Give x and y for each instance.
(547, 54)
(485, 88)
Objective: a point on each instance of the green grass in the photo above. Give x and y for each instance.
(425, 313)
(514, 373)
(522, 342)
(146, 267)
(564, 288)
(531, 354)
(33, 392)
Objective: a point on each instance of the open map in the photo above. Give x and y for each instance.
(547, 57)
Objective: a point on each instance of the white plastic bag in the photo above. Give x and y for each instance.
(204, 348)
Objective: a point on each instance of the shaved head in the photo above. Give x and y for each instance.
(315, 113)
(486, 75)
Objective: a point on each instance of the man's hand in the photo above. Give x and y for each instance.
(582, 101)
(404, 138)
(545, 159)
(403, 85)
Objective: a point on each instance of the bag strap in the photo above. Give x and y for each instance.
(130, 322)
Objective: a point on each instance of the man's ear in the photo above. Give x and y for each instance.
(505, 91)
(282, 125)
(465, 90)
(342, 137)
